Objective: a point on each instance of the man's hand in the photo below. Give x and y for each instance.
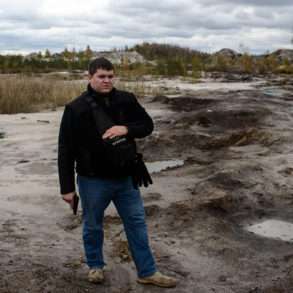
(68, 197)
(115, 131)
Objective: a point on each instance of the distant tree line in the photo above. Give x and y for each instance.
(161, 59)
(174, 60)
(46, 62)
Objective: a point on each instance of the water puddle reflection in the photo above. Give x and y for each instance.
(155, 167)
(273, 229)
(275, 91)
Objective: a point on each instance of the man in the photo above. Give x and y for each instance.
(80, 146)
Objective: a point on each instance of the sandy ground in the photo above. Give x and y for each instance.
(237, 148)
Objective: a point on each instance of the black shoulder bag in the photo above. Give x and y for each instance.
(119, 152)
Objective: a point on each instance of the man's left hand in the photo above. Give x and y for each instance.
(115, 131)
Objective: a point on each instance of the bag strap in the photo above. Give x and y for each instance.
(102, 120)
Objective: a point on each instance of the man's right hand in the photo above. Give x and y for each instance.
(68, 197)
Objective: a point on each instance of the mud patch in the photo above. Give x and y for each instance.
(121, 250)
(215, 198)
(185, 103)
(231, 119)
(75, 264)
(14, 234)
(152, 197)
(38, 168)
(70, 222)
(229, 190)
(234, 138)
(112, 220)
(152, 210)
(207, 130)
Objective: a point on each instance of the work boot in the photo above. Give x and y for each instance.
(158, 279)
(96, 275)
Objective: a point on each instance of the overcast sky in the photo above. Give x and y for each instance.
(207, 25)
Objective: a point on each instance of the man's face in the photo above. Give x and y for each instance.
(102, 80)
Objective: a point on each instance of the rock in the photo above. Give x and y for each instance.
(222, 278)
(204, 121)
(214, 197)
(161, 99)
(152, 210)
(43, 121)
(75, 264)
(23, 161)
(152, 196)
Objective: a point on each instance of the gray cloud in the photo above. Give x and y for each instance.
(262, 3)
(204, 24)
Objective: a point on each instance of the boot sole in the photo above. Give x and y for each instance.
(145, 282)
(96, 281)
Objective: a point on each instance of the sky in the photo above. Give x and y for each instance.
(255, 26)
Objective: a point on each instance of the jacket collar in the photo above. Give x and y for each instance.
(100, 95)
(103, 99)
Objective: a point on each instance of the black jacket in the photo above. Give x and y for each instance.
(79, 146)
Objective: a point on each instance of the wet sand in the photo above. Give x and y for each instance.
(238, 164)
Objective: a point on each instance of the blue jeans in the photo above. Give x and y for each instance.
(96, 194)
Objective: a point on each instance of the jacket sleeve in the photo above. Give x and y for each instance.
(139, 123)
(66, 157)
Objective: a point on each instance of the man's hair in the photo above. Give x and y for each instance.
(99, 63)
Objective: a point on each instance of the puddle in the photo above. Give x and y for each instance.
(273, 229)
(275, 92)
(155, 167)
(2, 134)
(157, 113)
